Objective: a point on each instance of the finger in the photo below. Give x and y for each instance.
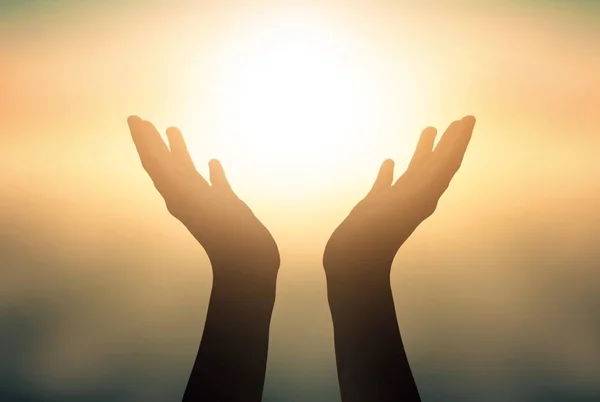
(452, 159)
(217, 176)
(152, 150)
(445, 143)
(424, 147)
(385, 177)
(179, 148)
(463, 140)
(181, 154)
(455, 152)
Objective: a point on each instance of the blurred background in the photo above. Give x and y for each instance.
(103, 295)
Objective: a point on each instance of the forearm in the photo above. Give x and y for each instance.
(232, 358)
(372, 363)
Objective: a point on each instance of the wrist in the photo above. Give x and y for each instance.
(352, 276)
(244, 287)
(355, 290)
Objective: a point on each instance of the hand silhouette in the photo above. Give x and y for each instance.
(237, 243)
(371, 360)
(371, 235)
(232, 357)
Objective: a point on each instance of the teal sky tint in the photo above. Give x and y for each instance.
(22, 7)
(31, 14)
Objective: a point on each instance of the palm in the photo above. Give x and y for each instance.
(376, 228)
(234, 239)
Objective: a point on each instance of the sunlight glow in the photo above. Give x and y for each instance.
(295, 99)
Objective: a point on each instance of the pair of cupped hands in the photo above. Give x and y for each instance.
(240, 247)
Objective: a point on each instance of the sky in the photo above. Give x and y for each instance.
(103, 295)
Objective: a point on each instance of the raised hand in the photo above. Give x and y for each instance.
(371, 235)
(236, 242)
(371, 360)
(231, 360)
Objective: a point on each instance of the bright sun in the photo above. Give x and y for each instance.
(292, 99)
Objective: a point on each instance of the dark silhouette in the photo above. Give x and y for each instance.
(231, 360)
(372, 364)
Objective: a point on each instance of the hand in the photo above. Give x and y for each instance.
(368, 240)
(237, 243)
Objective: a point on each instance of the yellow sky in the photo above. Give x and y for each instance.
(302, 104)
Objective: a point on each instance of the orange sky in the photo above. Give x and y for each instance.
(507, 262)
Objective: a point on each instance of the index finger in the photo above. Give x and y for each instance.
(449, 155)
(152, 150)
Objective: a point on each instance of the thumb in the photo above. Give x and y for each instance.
(385, 177)
(217, 176)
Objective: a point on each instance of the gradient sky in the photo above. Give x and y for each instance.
(103, 295)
